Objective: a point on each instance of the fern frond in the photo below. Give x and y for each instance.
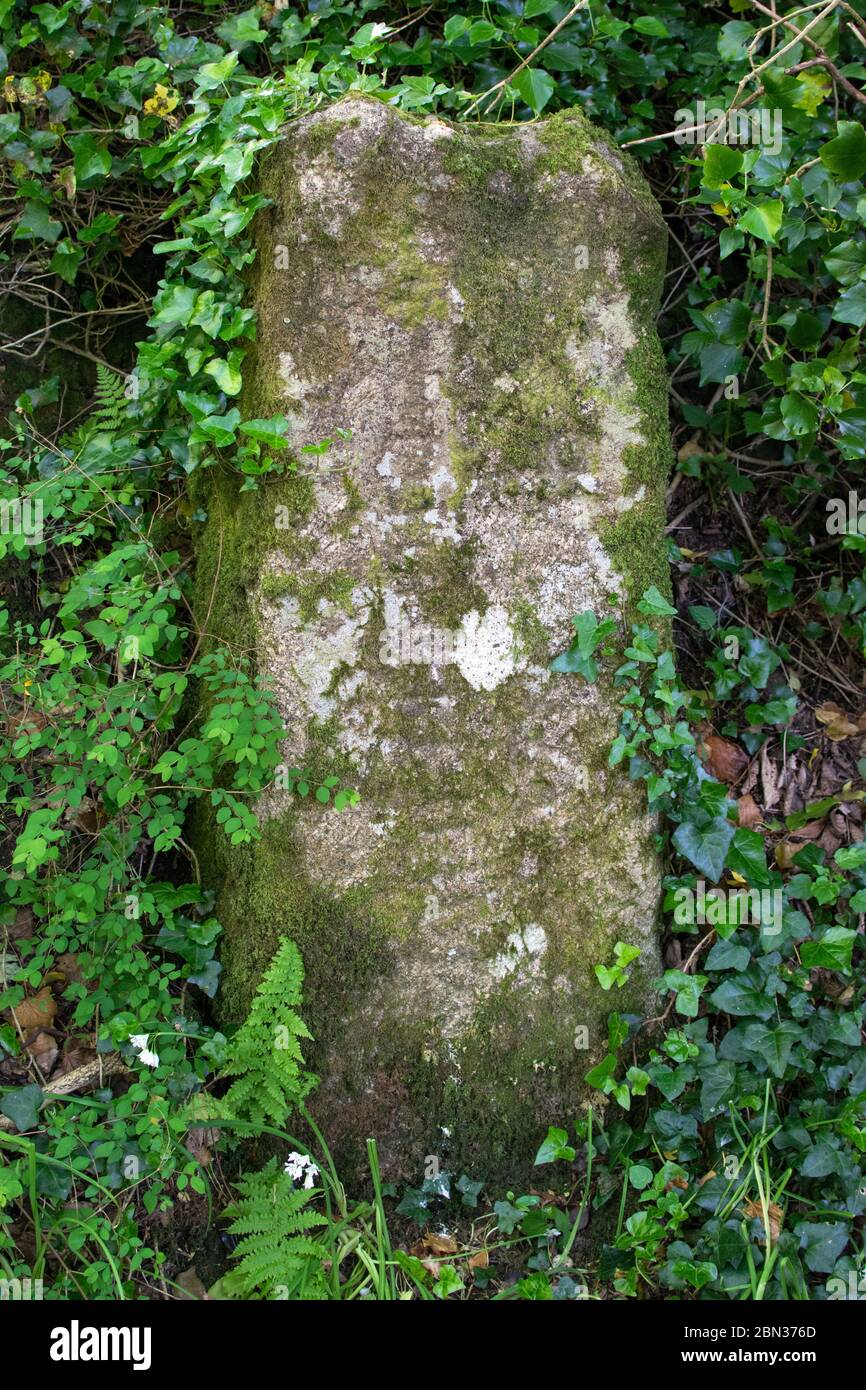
(265, 1054)
(275, 1255)
(110, 402)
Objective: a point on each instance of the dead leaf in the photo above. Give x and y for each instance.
(43, 1049)
(838, 725)
(36, 1012)
(480, 1260)
(689, 449)
(23, 924)
(749, 812)
(190, 1285)
(76, 1055)
(439, 1245)
(200, 1141)
(786, 849)
(726, 761)
(775, 1217)
(68, 965)
(769, 781)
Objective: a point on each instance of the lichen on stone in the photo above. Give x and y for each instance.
(474, 305)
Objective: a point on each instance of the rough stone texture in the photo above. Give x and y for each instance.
(476, 306)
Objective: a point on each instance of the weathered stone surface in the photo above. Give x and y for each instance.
(476, 306)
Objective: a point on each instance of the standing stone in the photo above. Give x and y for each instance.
(475, 305)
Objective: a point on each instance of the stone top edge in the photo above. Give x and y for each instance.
(530, 137)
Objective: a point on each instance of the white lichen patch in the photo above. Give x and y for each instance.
(523, 949)
(295, 387)
(486, 656)
(323, 651)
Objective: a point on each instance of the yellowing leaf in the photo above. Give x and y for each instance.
(163, 101)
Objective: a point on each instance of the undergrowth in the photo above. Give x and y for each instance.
(729, 1135)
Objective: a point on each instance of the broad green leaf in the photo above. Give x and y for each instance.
(762, 220)
(536, 87)
(845, 155)
(705, 846)
(721, 163)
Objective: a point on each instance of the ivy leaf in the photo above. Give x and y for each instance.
(554, 1147)
(733, 38)
(21, 1106)
(655, 604)
(212, 75)
(535, 87)
(508, 1217)
(227, 377)
(469, 1191)
(92, 160)
(741, 999)
(747, 857)
(272, 432)
(831, 952)
(705, 846)
(35, 224)
(648, 24)
(798, 413)
(851, 305)
(721, 163)
(763, 219)
(822, 1243)
(773, 1044)
(845, 155)
(717, 1084)
(688, 990)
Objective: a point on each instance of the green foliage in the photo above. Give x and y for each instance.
(747, 1157)
(109, 411)
(108, 163)
(265, 1053)
(276, 1257)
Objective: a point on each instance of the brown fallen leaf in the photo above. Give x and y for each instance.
(775, 1217)
(689, 449)
(480, 1260)
(748, 811)
(76, 1055)
(439, 1245)
(838, 724)
(23, 924)
(190, 1285)
(726, 761)
(200, 1142)
(769, 781)
(36, 1012)
(68, 966)
(786, 849)
(43, 1049)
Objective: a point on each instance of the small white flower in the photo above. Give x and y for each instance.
(145, 1054)
(301, 1168)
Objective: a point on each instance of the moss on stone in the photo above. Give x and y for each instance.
(523, 424)
(311, 590)
(531, 636)
(446, 588)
